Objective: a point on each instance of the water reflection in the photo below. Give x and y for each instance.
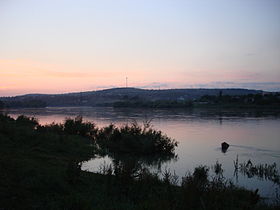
(251, 134)
(131, 165)
(134, 163)
(109, 113)
(261, 171)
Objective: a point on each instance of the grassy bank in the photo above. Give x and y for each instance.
(40, 169)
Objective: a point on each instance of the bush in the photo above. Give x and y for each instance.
(76, 126)
(27, 121)
(136, 139)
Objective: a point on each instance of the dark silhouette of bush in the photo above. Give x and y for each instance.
(27, 121)
(76, 126)
(73, 172)
(135, 139)
(199, 192)
(33, 164)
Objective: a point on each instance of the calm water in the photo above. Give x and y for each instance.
(251, 135)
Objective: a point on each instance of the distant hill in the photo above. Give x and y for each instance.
(109, 96)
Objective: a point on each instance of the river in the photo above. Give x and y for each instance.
(252, 135)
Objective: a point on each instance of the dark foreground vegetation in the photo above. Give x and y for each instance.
(40, 168)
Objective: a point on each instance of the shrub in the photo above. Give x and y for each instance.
(136, 139)
(27, 121)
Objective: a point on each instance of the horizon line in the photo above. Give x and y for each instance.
(141, 88)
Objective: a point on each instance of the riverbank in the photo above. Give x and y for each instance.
(40, 169)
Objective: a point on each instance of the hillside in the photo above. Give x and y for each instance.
(109, 96)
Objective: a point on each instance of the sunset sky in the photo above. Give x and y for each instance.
(58, 46)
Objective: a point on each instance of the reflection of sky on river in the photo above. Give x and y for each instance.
(200, 133)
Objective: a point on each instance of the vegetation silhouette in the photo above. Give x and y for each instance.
(40, 168)
(1, 104)
(135, 139)
(262, 171)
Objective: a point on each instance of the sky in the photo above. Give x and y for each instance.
(58, 46)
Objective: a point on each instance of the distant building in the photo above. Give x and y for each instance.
(181, 98)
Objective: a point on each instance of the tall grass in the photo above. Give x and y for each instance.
(261, 171)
